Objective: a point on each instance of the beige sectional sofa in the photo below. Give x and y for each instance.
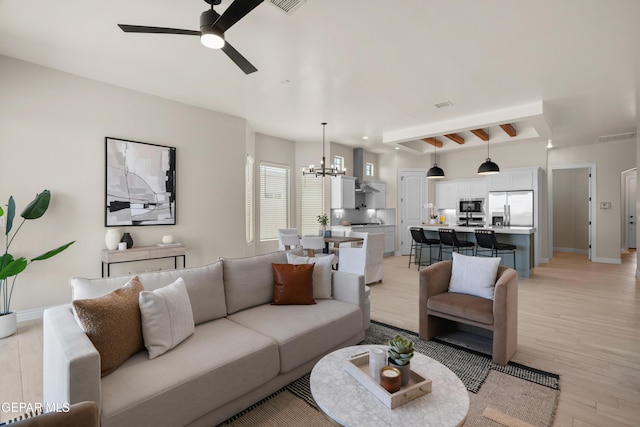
(242, 350)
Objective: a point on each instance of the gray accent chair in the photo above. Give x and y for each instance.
(438, 308)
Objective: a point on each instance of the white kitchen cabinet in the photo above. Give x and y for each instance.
(343, 192)
(376, 200)
(513, 179)
(446, 194)
(472, 188)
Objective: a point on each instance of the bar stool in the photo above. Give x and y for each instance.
(419, 240)
(486, 240)
(448, 238)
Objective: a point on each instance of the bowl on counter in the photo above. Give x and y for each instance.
(345, 223)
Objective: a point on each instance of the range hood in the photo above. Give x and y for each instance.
(358, 172)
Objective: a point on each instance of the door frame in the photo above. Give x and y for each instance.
(592, 207)
(625, 176)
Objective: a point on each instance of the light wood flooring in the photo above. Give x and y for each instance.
(578, 319)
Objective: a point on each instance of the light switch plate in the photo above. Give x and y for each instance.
(605, 205)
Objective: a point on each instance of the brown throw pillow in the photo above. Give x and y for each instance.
(112, 323)
(293, 284)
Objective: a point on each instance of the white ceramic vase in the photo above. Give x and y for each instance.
(112, 238)
(8, 324)
(167, 239)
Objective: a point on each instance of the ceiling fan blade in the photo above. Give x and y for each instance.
(235, 12)
(240, 60)
(156, 30)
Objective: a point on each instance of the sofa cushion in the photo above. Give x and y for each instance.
(112, 323)
(204, 286)
(303, 332)
(474, 275)
(249, 281)
(167, 319)
(321, 272)
(218, 363)
(464, 306)
(293, 284)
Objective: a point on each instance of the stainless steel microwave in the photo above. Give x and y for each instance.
(470, 205)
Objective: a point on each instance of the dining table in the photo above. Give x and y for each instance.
(337, 240)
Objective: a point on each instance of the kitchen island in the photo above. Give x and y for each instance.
(522, 237)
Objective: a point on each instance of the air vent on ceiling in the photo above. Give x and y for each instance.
(444, 104)
(287, 6)
(617, 137)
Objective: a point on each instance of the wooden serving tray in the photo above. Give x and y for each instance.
(358, 367)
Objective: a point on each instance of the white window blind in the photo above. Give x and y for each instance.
(274, 200)
(250, 215)
(311, 203)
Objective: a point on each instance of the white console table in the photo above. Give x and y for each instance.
(143, 253)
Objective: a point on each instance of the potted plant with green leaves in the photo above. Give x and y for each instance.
(10, 265)
(323, 220)
(400, 353)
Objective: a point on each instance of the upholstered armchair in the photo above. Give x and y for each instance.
(439, 307)
(366, 260)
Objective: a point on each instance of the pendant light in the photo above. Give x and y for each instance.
(488, 167)
(435, 172)
(323, 170)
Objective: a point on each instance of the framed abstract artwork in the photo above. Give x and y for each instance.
(140, 185)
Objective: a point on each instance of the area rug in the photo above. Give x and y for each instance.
(514, 395)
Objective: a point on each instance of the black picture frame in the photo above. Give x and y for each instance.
(140, 183)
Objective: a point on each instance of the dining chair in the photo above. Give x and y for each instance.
(313, 245)
(366, 260)
(288, 238)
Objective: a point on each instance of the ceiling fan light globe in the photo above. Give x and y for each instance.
(212, 40)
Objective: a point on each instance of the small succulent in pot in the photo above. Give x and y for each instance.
(400, 350)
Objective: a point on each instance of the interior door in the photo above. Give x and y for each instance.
(413, 199)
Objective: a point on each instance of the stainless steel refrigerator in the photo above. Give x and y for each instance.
(511, 208)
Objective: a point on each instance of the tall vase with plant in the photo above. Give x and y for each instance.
(10, 265)
(323, 220)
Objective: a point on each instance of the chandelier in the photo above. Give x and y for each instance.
(323, 170)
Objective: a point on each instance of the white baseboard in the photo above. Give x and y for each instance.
(32, 314)
(608, 260)
(544, 261)
(572, 250)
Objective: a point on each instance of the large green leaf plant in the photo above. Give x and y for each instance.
(10, 266)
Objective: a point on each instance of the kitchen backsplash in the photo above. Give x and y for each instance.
(386, 216)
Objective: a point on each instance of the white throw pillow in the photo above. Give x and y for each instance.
(474, 275)
(167, 318)
(321, 273)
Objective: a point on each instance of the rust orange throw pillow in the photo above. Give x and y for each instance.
(293, 284)
(112, 323)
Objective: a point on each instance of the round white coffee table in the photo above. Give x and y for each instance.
(347, 402)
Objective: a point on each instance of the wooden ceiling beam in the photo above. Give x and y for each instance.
(480, 133)
(433, 141)
(455, 138)
(509, 129)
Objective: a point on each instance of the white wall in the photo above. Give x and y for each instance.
(52, 130)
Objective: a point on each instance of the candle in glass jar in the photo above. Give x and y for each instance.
(390, 379)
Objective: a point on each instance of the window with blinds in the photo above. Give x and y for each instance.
(311, 203)
(250, 213)
(274, 200)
